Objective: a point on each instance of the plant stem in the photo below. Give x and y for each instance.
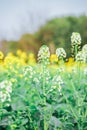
(76, 50)
(44, 100)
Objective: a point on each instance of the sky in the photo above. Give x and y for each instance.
(26, 16)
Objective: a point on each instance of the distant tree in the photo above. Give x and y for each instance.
(59, 30)
(28, 42)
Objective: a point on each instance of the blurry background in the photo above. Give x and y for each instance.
(28, 24)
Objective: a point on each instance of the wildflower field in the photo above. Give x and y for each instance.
(47, 93)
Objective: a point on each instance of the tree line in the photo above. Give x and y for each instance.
(55, 33)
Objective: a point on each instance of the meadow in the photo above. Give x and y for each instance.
(47, 93)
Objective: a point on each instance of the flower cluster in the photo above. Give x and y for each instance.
(75, 39)
(28, 71)
(84, 51)
(60, 52)
(57, 82)
(36, 80)
(5, 91)
(84, 48)
(81, 57)
(75, 43)
(44, 54)
(45, 74)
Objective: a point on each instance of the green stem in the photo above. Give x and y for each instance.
(76, 50)
(79, 71)
(45, 124)
(44, 100)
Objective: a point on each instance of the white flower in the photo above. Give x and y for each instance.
(4, 96)
(36, 80)
(84, 50)
(60, 52)
(28, 71)
(80, 56)
(57, 80)
(5, 90)
(9, 89)
(57, 83)
(2, 85)
(44, 54)
(45, 74)
(75, 39)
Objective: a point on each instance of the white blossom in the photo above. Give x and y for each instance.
(36, 80)
(84, 48)
(5, 91)
(60, 52)
(44, 54)
(57, 83)
(57, 80)
(80, 56)
(75, 39)
(29, 72)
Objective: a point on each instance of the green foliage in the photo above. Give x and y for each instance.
(44, 100)
(59, 30)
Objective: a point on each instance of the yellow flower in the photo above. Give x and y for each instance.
(10, 54)
(23, 55)
(71, 60)
(31, 55)
(31, 59)
(19, 52)
(53, 58)
(1, 55)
